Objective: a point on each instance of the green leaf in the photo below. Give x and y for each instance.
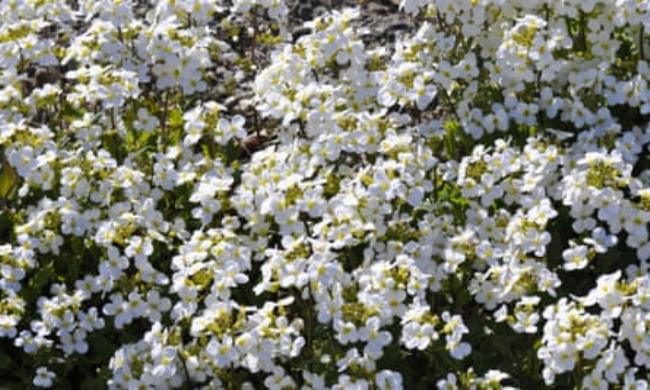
(43, 276)
(8, 181)
(175, 117)
(5, 361)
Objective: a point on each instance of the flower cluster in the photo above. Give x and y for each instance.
(234, 194)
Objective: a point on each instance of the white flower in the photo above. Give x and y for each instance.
(145, 121)
(449, 383)
(222, 351)
(387, 380)
(575, 257)
(278, 380)
(376, 340)
(8, 325)
(227, 130)
(417, 336)
(43, 378)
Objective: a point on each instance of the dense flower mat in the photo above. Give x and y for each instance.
(219, 194)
